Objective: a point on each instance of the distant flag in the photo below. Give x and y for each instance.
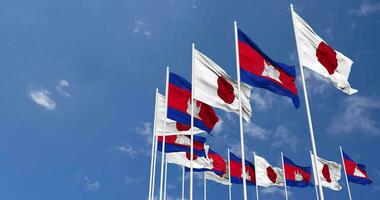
(317, 55)
(181, 143)
(222, 179)
(172, 127)
(266, 174)
(259, 70)
(329, 173)
(296, 176)
(179, 106)
(236, 171)
(216, 88)
(183, 159)
(356, 173)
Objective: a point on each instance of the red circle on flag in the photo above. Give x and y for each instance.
(182, 127)
(326, 173)
(225, 90)
(188, 156)
(327, 57)
(271, 174)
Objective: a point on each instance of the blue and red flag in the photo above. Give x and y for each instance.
(356, 172)
(258, 70)
(179, 106)
(296, 176)
(219, 165)
(182, 143)
(236, 171)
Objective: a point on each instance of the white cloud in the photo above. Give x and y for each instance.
(129, 180)
(41, 97)
(145, 129)
(366, 8)
(283, 137)
(270, 191)
(62, 84)
(256, 131)
(127, 149)
(262, 100)
(219, 126)
(91, 185)
(142, 27)
(315, 83)
(356, 116)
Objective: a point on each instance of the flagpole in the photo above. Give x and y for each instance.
(229, 175)
(164, 133)
(345, 173)
(166, 177)
(153, 144)
(283, 168)
(315, 178)
(308, 111)
(240, 113)
(192, 121)
(183, 182)
(204, 186)
(257, 187)
(154, 167)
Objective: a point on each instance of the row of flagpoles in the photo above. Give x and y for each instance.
(187, 109)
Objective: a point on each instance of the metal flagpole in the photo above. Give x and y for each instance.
(257, 187)
(307, 109)
(154, 166)
(229, 175)
(345, 173)
(192, 121)
(240, 113)
(315, 178)
(283, 168)
(166, 177)
(183, 182)
(153, 145)
(204, 186)
(164, 134)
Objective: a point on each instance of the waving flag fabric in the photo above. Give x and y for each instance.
(266, 174)
(182, 143)
(222, 179)
(183, 159)
(216, 88)
(356, 172)
(172, 127)
(329, 173)
(179, 106)
(296, 176)
(258, 70)
(317, 55)
(236, 171)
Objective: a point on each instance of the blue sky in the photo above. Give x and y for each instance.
(78, 78)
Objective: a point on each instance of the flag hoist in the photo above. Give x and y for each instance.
(240, 112)
(310, 123)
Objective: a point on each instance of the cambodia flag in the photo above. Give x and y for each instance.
(182, 143)
(356, 172)
(296, 176)
(236, 171)
(179, 106)
(258, 70)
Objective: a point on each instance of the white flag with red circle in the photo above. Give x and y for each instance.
(266, 174)
(215, 87)
(317, 55)
(329, 173)
(183, 159)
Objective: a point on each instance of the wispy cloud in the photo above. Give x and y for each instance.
(91, 185)
(366, 8)
(356, 116)
(256, 131)
(142, 28)
(271, 191)
(262, 100)
(127, 149)
(42, 98)
(62, 85)
(283, 137)
(316, 83)
(130, 180)
(145, 129)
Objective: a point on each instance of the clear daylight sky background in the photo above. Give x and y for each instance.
(77, 82)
